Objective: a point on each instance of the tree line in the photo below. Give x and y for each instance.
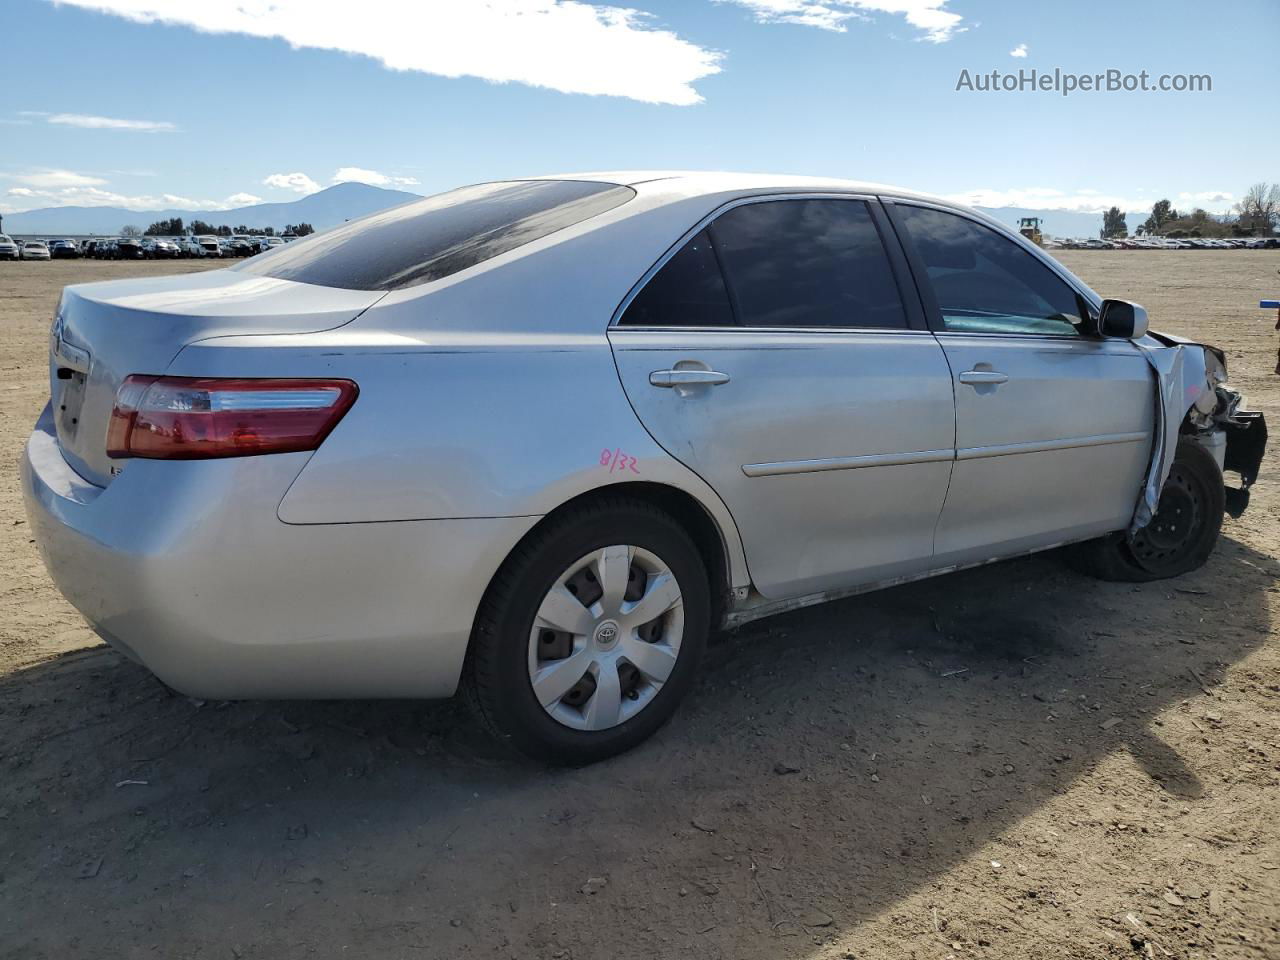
(1256, 215)
(176, 227)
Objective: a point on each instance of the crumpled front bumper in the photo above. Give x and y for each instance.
(1192, 397)
(1246, 432)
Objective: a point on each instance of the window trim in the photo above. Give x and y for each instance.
(889, 241)
(933, 313)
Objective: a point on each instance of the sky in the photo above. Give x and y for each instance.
(206, 104)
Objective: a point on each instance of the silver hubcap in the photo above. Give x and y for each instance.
(606, 638)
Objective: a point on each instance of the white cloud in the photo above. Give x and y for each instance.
(565, 45)
(1045, 198)
(929, 16)
(109, 123)
(50, 179)
(1213, 200)
(1085, 200)
(28, 198)
(1019, 51)
(297, 182)
(375, 177)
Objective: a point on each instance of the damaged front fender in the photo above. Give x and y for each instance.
(1192, 398)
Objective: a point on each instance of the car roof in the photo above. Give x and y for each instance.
(674, 185)
(695, 182)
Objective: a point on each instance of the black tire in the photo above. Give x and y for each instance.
(496, 679)
(1179, 537)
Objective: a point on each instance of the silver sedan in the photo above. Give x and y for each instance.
(538, 438)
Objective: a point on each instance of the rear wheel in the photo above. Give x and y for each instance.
(590, 634)
(1179, 537)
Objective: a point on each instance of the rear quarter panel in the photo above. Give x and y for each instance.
(448, 428)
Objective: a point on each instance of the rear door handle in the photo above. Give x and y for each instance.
(684, 378)
(983, 376)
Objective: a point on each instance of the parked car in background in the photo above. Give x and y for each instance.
(209, 245)
(64, 249)
(8, 248)
(127, 248)
(34, 250)
(267, 243)
(672, 403)
(242, 245)
(158, 248)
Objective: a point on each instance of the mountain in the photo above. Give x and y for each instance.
(1063, 223)
(327, 208)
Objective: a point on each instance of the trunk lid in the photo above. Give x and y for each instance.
(105, 331)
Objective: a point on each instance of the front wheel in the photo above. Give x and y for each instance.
(591, 633)
(1179, 537)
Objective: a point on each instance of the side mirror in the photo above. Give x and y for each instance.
(1122, 319)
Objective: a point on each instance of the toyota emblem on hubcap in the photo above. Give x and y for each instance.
(606, 633)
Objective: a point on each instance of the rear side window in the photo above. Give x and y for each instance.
(808, 263)
(688, 291)
(986, 283)
(777, 263)
(430, 239)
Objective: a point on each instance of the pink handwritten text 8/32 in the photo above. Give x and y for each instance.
(616, 460)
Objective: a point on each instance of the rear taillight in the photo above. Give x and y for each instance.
(192, 418)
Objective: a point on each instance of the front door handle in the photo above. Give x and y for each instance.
(975, 377)
(685, 378)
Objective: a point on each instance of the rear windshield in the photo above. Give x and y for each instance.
(429, 239)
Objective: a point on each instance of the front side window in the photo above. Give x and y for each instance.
(777, 263)
(986, 283)
(430, 239)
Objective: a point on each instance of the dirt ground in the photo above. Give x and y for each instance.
(1013, 762)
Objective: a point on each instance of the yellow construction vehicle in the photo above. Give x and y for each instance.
(1029, 227)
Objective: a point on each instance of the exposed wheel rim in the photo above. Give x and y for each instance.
(1177, 524)
(606, 637)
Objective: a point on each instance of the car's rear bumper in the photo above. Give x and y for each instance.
(185, 567)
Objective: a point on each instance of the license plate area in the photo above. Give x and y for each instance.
(70, 400)
(71, 374)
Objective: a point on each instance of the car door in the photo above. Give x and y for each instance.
(775, 353)
(1054, 426)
